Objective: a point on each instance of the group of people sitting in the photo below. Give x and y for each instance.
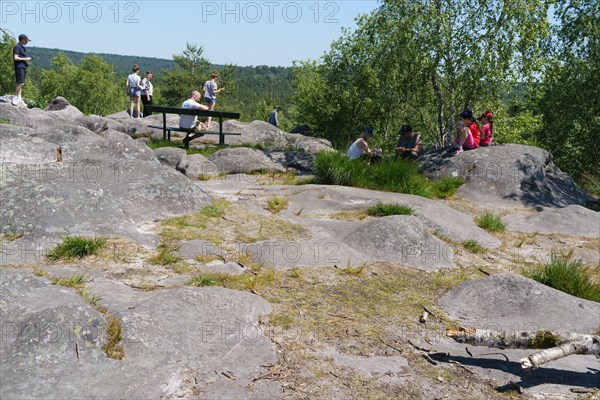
(468, 136)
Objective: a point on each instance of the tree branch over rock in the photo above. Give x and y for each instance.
(556, 344)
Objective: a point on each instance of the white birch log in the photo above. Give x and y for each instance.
(561, 344)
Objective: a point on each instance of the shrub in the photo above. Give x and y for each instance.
(490, 222)
(76, 246)
(569, 277)
(382, 210)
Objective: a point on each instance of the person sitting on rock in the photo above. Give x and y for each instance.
(409, 144)
(468, 134)
(190, 123)
(360, 148)
(487, 119)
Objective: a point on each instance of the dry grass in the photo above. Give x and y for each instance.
(351, 215)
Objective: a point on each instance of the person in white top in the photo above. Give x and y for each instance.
(190, 122)
(134, 90)
(147, 90)
(360, 147)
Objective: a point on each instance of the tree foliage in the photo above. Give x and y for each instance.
(420, 62)
(571, 98)
(91, 86)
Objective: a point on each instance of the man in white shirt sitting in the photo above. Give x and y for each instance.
(190, 122)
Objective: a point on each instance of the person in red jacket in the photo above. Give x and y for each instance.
(487, 119)
(468, 134)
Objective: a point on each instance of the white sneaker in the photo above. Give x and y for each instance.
(15, 101)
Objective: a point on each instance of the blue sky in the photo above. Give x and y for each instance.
(269, 32)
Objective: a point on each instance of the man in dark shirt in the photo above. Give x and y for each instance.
(409, 144)
(20, 59)
(273, 120)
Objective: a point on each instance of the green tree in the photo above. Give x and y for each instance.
(571, 99)
(90, 86)
(421, 62)
(7, 84)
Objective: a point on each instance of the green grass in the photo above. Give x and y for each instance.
(76, 247)
(253, 281)
(158, 143)
(206, 279)
(166, 254)
(490, 222)
(276, 204)
(77, 280)
(400, 176)
(216, 209)
(571, 277)
(473, 246)
(384, 209)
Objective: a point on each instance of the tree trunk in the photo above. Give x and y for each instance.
(558, 345)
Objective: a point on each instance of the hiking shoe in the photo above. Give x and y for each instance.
(458, 151)
(15, 101)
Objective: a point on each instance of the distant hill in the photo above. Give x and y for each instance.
(255, 84)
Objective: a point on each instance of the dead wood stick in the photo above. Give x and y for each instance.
(544, 356)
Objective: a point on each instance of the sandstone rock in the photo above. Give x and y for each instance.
(260, 132)
(170, 156)
(508, 301)
(401, 239)
(174, 340)
(508, 174)
(62, 109)
(243, 159)
(294, 161)
(190, 249)
(195, 166)
(571, 220)
(98, 124)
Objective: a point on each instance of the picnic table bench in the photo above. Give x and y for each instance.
(192, 111)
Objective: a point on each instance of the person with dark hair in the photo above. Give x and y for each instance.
(273, 116)
(210, 94)
(487, 119)
(360, 148)
(20, 61)
(147, 90)
(468, 134)
(409, 144)
(134, 90)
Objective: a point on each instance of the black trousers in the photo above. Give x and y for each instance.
(144, 102)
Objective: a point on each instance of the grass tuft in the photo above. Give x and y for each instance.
(77, 280)
(383, 209)
(490, 222)
(571, 277)
(76, 247)
(473, 246)
(206, 279)
(113, 347)
(166, 254)
(276, 204)
(400, 176)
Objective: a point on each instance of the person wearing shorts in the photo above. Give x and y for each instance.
(468, 134)
(134, 91)
(21, 62)
(210, 95)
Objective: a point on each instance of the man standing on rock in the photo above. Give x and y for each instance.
(190, 122)
(273, 117)
(20, 60)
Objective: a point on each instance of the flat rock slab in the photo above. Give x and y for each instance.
(510, 174)
(235, 160)
(191, 249)
(513, 302)
(177, 342)
(285, 255)
(316, 200)
(571, 220)
(502, 367)
(401, 239)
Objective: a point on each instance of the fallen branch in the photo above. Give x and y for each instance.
(557, 345)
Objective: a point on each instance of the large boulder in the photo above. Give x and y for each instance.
(294, 161)
(507, 174)
(195, 166)
(263, 133)
(243, 160)
(98, 124)
(169, 156)
(513, 302)
(403, 240)
(61, 108)
(571, 220)
(205, 340)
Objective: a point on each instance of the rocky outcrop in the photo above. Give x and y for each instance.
(196, 166)
(508, 301)
(244, 160)
(571, 220)
(177, 343)
(507, 174)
